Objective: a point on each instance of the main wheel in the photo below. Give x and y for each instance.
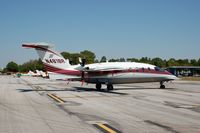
(98, 86)
(109, 87)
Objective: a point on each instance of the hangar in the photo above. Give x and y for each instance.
(185, 70)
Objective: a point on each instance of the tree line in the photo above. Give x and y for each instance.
(157, 61)
(31, 65)
(91, 58)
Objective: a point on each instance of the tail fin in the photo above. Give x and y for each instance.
(52, 60)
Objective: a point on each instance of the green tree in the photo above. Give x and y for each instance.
(96, 61)
(172, 62)
(12, 67)
(113, 60)
(66, 55)
(103, 59)
(158, 62)
(39, 65)
(4, 70)
(132, 60)
(194, 62)
(88, 55)
(74, 57)
(122, 60)
(32, 65)
(145, 60)
(21, 68)
(183, 62)
(165, 63)
(199, 62)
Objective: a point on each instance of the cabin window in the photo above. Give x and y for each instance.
(137, 70)
(149, 69)
(143, 69)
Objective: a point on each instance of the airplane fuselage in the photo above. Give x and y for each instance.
(118, 73)
(99, 73)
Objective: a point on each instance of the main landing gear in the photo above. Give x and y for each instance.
(109, 87)
(162, 86)
(98, 86)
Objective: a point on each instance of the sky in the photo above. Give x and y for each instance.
(111, 28)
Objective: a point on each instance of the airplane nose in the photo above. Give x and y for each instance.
(173, 77)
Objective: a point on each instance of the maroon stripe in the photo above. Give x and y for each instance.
(151, 71)
(69, 72)
(39, 48)
(50, 66)
(55, 69)
(51, 70)
(62, 71)
(101, 73)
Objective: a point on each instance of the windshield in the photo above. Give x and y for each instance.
(159, 69)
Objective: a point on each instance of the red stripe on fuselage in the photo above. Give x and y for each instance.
(102, 73)
(62, 71)
(52, 68)
(141, 70)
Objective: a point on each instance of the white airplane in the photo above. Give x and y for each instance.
(41, 73)
(32, 73)
(108, 73)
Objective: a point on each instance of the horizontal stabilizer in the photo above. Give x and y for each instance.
(38, 45)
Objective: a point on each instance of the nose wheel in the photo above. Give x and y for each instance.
(162, 86)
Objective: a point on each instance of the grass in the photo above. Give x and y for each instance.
(191, 78)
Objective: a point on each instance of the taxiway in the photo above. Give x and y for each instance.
(36, 105)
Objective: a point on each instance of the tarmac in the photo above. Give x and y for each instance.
(37, 105)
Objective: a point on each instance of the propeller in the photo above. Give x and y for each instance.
(82, 63)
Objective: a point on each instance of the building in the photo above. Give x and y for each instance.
(185, 70)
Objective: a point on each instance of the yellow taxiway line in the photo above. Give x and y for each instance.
(56, 98)
(106, 128)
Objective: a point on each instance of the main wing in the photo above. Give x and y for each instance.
(87, 73)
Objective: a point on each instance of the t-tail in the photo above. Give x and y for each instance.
(56, 65)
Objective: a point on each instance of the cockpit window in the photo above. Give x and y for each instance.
(159, 69)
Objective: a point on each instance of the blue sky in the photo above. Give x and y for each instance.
(114, 28)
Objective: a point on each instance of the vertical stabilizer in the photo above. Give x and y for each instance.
(52, 60)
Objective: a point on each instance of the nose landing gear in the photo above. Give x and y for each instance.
(162, 86)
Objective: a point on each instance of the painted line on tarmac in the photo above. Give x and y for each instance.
(106, 128)
(56, 98)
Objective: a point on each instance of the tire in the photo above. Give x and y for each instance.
(98, 86)
(109, 87)
(162, 86)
